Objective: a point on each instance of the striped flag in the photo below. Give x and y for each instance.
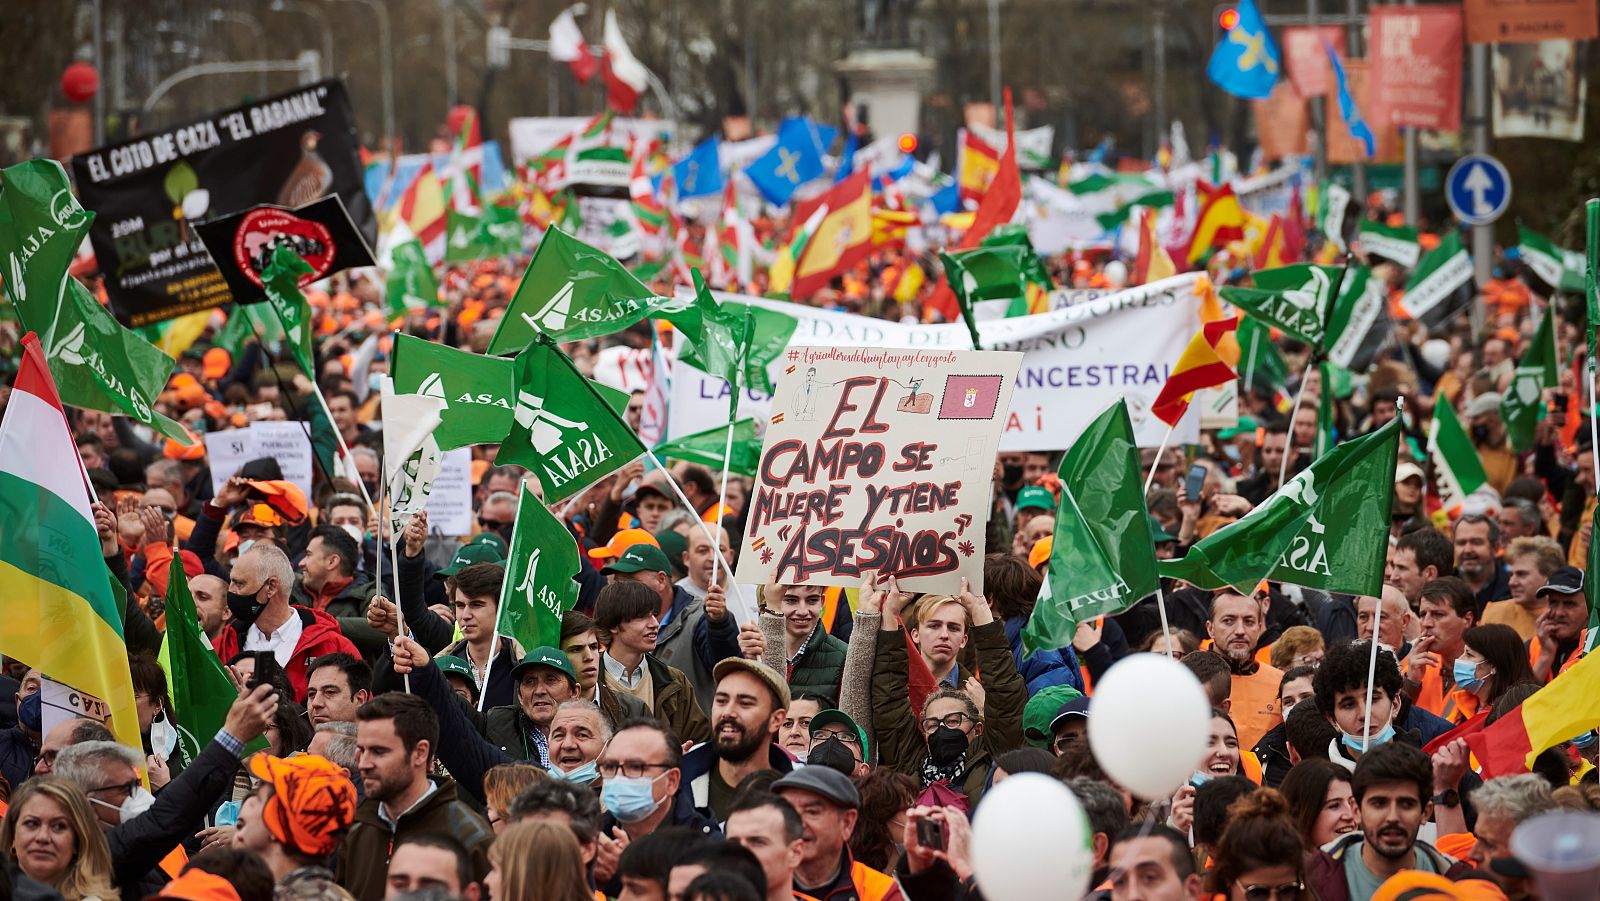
(781, 275)
(1457, 471)
(62, 615)
(1153, 263)
(1199, 367)
(1360, 326)
(1442, 286)
(1221, 220)
(1396, 243)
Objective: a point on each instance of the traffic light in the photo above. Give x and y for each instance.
(1228, 18)
(908, 143)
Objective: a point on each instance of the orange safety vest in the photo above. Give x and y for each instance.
(1560, 666)
(872, 885)
(1250, 766)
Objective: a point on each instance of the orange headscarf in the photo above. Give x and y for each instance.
(313, 802)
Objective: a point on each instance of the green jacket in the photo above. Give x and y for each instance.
(676, 706)
(820, 667)
(899, 737)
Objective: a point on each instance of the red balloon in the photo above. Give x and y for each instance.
(80, 82)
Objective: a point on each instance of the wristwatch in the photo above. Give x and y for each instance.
(1447, 798)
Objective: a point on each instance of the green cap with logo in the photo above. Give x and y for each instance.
(1040, 711)
(468, 554)
(491, 539)
(455, 666)
(640, 558)
(1158, 532)
(1035, 497)
(546, 656)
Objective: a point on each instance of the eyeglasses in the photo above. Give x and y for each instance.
(1289, 891)
(848, 738)
(633, 769)
(124, 787)
(949, 721)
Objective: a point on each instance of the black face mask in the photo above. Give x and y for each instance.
(1010, 473)
(1480, 434)
(833, 755)
(945, 745)
(246, 608)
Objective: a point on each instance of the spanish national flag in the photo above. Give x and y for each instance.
(1199, 367)
(1274, 251)
(1566, 708)
(842, 239)
(61, 615)
(1221, 220)
(977, 164)
(1153, 263)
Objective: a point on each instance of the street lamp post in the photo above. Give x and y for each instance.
(386, 52)
(307, 65)
(254, 24)
(313, 12)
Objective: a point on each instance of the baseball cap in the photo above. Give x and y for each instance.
(198, 885)
(468, 554)
(313, 802)
(491, 539)
(833, 717)
(1074, 707)
(1041, 710)
(1566, 580)
(1036, 498)
(1488, 402)
(215, 363)
(825, 781)
(1040, 552)
(546, 656)
(1407, 470)
(284, 497)
(672, 543)
(760, 670)
(655, 482)
(620, 542)
(640, 558)
(1246, 426)
(1158, 532)
(259, 515)
(455, 666)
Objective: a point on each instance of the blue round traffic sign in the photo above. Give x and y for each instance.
(1478, 189)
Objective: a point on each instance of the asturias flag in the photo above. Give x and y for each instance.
(794, 160)
(1246, 62)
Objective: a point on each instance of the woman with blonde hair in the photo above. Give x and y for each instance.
(534, 861)
(501, 784)
(52, 836)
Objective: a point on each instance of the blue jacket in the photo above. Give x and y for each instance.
(1043, 668)
(696, 770)
(17, 752)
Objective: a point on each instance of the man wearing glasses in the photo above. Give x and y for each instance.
(837, 742)
(640, 766)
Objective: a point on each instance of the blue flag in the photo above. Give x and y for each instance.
(1347, 105)
(700, 172)
(947, 199)
(793, 161)
(1246, 62)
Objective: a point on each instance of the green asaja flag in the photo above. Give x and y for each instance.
(200, 690)
(1396, 243)
(1457, 471)
(562, 429)
(1260, 361)
(498, 232)
(538, 590)
(1442, 286)
(1521, 407)
(1293, 298)
(768, 338)
(1103, 558)
(478, 390)
(96, 363)
(1359, 327)
(411, 284)
(708, 447)
(1328, 528)
(281, 282)
(1548, 261)
(573, 291)
(1333, 203)
(987, 275)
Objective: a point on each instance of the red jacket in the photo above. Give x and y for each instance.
(319, 635)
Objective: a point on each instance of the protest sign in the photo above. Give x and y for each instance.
(450, 502)
(285, 442)
(59, 703)
(878, 459)
(1076, 360)
(1417, 66)
(289, 149)
(320, 233)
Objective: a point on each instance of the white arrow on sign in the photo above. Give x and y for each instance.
(1478, 183)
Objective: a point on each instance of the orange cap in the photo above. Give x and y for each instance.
(620, 542)
(285, 498)
(215, 363)
(313, 802)
(198, 885)
(1041, 551)
(172, 450)
(259, 515)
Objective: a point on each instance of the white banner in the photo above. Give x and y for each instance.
(533, 135)
(59, 703)
(1076, 361)
(450, 502)
(284, 441)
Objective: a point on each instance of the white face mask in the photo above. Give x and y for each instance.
(163, 737)
(355, 531)
(137, 802)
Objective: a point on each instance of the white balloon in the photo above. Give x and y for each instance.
(1149, 721)
(1030, 839)
(1116, 274)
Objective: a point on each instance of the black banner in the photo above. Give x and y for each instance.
(289, 150)
(321, 233)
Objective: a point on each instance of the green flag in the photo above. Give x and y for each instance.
(1103, 558)
(716, 333)
(200, 689)
(498, 232)
(1293, 298)
(987, 274)
(1328, 528)
(1034, 268)
(1521, 407)
(562, 428)
(411, 284)
(767, 339)
(573, 291)
(1260, 361)
(1457, 471)
(1591, 275)
(1333, 202)
(247, 322)
(1442, 286)
(1325, 403)
(96, 363)
(538, 590)
(281, 281)
(1397, 243)
(1557, 268)
(707, 447)
(477, 389)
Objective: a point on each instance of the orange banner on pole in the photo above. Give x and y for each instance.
(1530, 21)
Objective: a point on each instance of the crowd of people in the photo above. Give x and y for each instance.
(386, 742)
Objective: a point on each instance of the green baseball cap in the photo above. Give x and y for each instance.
(491, 539)
(673, 544)
(547, 656)
(1036, 497)
(468, 554)
(1158, 532)
(1246, 426)
(1040, 711)
(455, 666)
(832, 717)
(640, 558)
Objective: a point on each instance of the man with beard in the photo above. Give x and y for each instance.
(1393, 785)
(1477, 541)
(746, 711)
(1419, 558)
(1235, 627)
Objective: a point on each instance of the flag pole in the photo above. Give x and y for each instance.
(344, 449)
(704, 526)
(1372, 670)
(1288, 443)
(727, 451)
(394, 561)
(1161, 608)
(1250, 374)
(1156, 463)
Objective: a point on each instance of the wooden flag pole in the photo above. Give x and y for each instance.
(1156, 463)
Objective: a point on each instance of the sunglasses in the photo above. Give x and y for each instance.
(1289, 891)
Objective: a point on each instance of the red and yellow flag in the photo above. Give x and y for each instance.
(842, 239)
(1568, 706)
(1199, 367)
(1221, 220)
(1153, 263)
(1274, 251)
(976, 166)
